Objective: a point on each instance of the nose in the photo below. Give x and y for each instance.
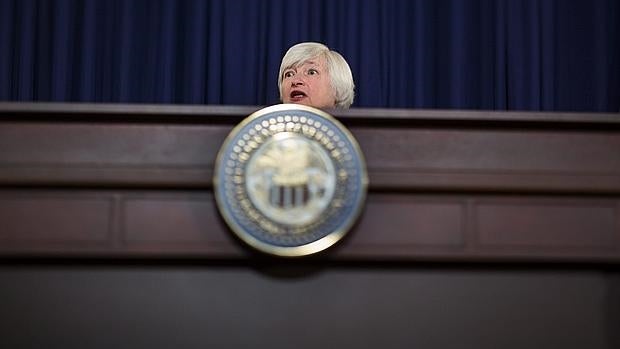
(296, 81)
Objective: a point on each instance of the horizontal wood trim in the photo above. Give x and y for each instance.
(393, 226)
(225, 113)
(408, 157)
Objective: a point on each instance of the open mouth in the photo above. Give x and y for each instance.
(297, 95)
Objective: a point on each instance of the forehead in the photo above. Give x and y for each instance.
(312, 62)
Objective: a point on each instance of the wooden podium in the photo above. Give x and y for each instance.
(89, 180)
(480, 230)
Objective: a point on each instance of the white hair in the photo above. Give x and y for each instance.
(339, 71)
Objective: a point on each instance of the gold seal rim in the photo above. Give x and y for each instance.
(309, 248)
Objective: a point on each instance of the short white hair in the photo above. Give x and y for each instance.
(339, 71)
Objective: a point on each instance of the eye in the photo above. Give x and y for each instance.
(289, 74)
(312, 71)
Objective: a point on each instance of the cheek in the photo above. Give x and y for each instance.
(325, 88)
(329, 92)
(284, 91)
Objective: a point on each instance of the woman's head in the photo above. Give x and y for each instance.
(312, 74)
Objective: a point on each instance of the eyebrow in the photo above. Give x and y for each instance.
(294, 67)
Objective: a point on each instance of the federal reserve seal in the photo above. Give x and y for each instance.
(290, 180)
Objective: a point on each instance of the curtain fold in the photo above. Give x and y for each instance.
(451, 54)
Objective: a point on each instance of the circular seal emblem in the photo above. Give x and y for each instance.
(290, 180)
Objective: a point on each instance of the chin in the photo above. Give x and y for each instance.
(307, 103)
(300, 102)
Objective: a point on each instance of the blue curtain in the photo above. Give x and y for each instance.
(465, 54)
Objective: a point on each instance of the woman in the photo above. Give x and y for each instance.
(313, 75)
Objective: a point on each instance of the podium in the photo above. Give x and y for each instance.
(89, 180)
(485, 229)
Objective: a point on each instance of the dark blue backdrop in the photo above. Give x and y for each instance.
(478, 54)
